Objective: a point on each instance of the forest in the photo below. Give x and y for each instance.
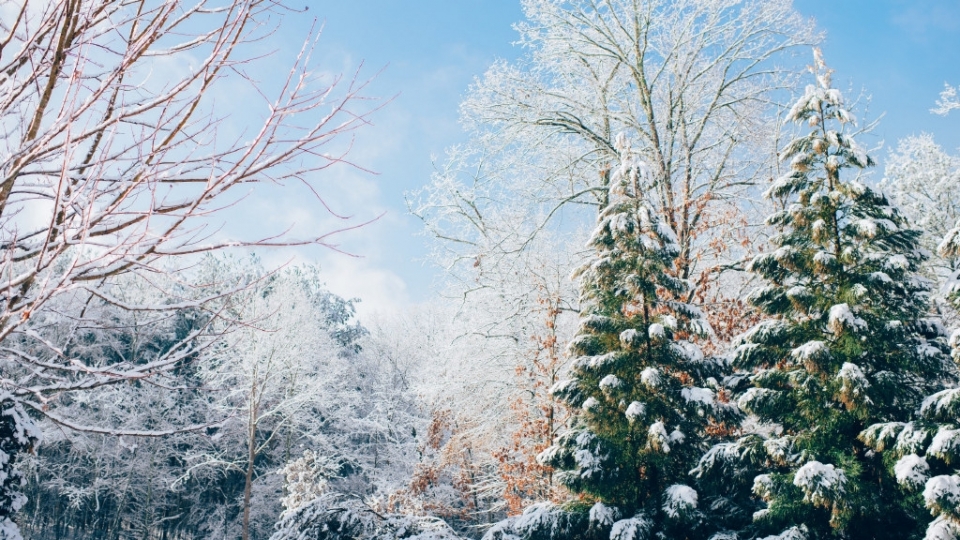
(684, 294)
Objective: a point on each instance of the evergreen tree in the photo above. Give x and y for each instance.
(645, 394)
(846, 344)
(927, 450)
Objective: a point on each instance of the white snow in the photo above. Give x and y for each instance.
(793, 533)
(798, 292)
(9, 530)
(779, 449)
(698, 395)
(867, 227)
(656, 331)
(677, 437)
(536, 517)
(762, 486)
(897, 262)
(841, 317)
(635, 410)
(669, 321)
(942, 529)
(657, 437)
(942, 492)
(811, 351)
(822, 484)
(609, 383)
(945, 445)
(853, 382)
(549, 454)
(679, 499)
(688, 351)
(602, 515)
(563, 386)
(911, 439)
(635, 528)
(754, 396)
(824, 258)
(650, 377)
(628, 338)
(911, 471)
(587, 460)
(590, 403)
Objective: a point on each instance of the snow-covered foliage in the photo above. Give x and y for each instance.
(346, 407)
(822, 484)
(923, 179)
(948, 100)
(679, 501)
(19, 434)
(911, 471)
(332, 517)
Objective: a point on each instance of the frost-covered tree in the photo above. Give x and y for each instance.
(847, 342)
(925, 183)
(115, 158)
(191, 483)
(691, 80)
(948, 100)
(642, 390)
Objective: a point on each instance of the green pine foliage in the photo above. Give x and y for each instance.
(847, 343)
(645, 394)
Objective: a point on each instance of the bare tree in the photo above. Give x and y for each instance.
(114, 164)
(690, 81)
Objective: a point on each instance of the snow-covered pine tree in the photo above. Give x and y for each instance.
(926, 451)
(646, 396)
(846, 344)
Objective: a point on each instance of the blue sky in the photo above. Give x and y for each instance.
(899, 52)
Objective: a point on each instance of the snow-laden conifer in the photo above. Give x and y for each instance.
(643, 390)
(847, 342)
(927, 449)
